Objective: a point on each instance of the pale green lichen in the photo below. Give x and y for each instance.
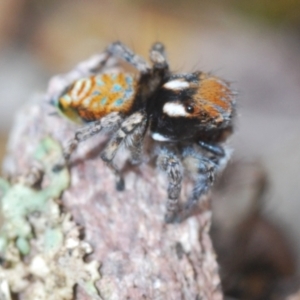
(19, 200)
(33, 225)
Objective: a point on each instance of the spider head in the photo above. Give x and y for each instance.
(189, 104)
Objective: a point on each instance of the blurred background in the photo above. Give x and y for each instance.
(253, 44)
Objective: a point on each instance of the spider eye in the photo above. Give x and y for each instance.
(189, 109)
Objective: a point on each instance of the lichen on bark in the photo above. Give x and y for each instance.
(41, 249)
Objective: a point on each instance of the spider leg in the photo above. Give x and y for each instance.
(206, 176)
(109, 122)
(119, 50)
(129, 126)
(151, 81)
(94, 65)
(168, 162)
(134, 142)
(158, 57)
(204, 168)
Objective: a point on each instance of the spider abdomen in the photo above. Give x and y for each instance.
(94, 97)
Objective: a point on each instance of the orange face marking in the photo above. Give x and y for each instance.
(213, 98)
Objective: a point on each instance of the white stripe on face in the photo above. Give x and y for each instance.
(175, 110)
(158, 137)
(177, 84)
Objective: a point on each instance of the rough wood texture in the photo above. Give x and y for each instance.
(141, 257)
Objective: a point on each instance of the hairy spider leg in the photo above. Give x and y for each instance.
(109, 123)
(158, 56)
(100, 65)
(168, 162)
(206, 176)
(134, 142)
(205, 169)
(128, 126)
(119, 50)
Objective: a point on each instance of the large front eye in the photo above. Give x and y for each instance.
(189, 109)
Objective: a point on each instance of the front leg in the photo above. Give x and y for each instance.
(204, 169)
(168, 162)
(205, 176)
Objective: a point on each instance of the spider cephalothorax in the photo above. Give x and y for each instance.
(189, 115)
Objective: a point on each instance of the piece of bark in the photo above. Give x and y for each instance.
(141, 257)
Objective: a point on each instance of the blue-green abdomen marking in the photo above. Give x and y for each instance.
(93, 97)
